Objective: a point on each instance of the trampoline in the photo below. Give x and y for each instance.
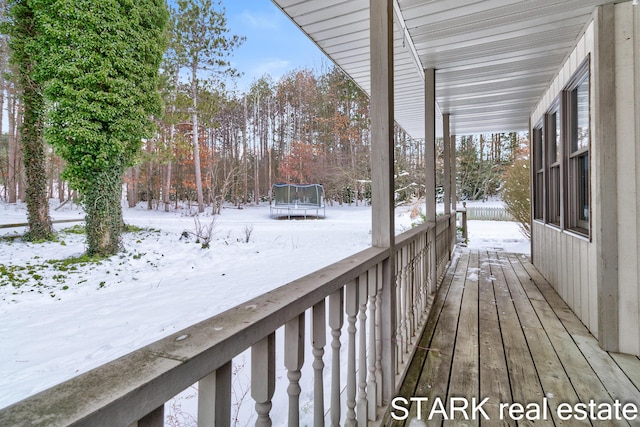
(297, 200)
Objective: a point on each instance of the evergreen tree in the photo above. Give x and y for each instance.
(202, 43)
(99, 66)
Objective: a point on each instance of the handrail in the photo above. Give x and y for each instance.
(126, 390)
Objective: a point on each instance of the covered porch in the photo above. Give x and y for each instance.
(408, 327)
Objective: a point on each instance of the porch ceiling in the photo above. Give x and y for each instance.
(493, 58)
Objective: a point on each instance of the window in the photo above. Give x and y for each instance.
(538, 169)
(561, 164)
(578, 197)
(553, 160)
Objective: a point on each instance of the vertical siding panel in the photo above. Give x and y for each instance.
(545, 248)
(557, 267)
(563, 257)
(567, 269)
(542, 256)
(584, 281)
(593, 290)
(636, 83)
(574, 271)
(567, 257)
(580, 51)
(588, 37)
(626, 169)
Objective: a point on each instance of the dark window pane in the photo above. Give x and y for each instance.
(581, 138)
(583, 187)
(554, 138)
(557, 136)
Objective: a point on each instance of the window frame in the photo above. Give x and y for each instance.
(539, 191)
(554, 164)
(578, 158)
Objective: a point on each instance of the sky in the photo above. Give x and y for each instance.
(274, 45)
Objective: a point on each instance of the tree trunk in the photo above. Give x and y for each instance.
(132, 187)
(245, 167)
(13, 167)
(150, 190)
(167, 187)
(34, 155)
(60, 189)
(167, 180)
(4, 55)
(104, 213)
(196, 142)
(257, 136)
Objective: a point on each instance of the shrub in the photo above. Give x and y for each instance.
(516, 194)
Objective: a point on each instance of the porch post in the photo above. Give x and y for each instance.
(606, 211)
(382, 186)
(430, 165)
(454, 198)
(447, 163)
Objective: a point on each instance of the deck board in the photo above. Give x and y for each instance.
(521, 369)
(494, 376)
(434, 380)
(499, 330)
(465, 370)
(555, 383)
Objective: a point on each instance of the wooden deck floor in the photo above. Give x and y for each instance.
(498, 330)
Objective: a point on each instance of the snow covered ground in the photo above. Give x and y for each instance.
(59, 319)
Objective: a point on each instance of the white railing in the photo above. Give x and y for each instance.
(132, 390)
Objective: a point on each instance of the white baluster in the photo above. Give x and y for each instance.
(363, 287)
(427, 258)
(418, 281)
(263, 377)
(415, 310)
(379, 344)
(319, 340)
(214, 398)
(352, 311)
(403, 328)
(400, 312)
(293, 361)
(372, 385)
(409, 301)
(423, 270)
(336, 320)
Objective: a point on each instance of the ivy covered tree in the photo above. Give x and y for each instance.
(99, 67)
(23, 43)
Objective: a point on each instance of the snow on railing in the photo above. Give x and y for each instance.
(308, 314)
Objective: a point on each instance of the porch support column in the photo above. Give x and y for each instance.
(382, 186)
(606, 226)
(454, 198)
(430, 164)
(447, 163)
(446, 133)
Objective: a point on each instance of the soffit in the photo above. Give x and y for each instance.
(493, 58)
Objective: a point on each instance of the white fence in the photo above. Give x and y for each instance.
(493, 213)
